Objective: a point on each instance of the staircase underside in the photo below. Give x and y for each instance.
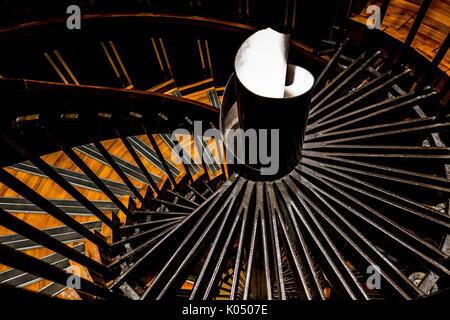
(92, 182)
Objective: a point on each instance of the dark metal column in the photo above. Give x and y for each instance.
(267, 94)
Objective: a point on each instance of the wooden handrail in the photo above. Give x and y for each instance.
(202, 24)
(37, 87)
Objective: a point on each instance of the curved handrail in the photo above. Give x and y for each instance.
(45, 32)
(93, 21)
(127, 110)
(30, 87)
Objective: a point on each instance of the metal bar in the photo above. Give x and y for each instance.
(148, 153)
(73, 177)
(158, 214)
(147, 224)
(381, 260)
(383, 10)
(22, 189)
(406, 21)
(15, 224)
(390, 155)
(87, 171)
(409, 123)
(417, 22)
(168, 203)
(186, 160)
(377, 148)
(264, 238)
(139, 162)
(56, 177)
(146, 233)
(146, 245)
(346, 81)
(62, 234)
(221, 155)
(200, 149)
(299, 276)
(208, 204)
(273, 210)
(53, 289)
(336, 79)
(349, 97)
(117, 169)
(69, 206)
(20, 278)
(188, 172)
(196, 244)
(259, 280)
(238, 262)
(66, 67)
(372, 111)
(411, 183)
(225, 248)
(429, 73)
(405, 233)
(354, 286)
(428, 128)
(22, 261)
(436, 221)
(314, 282)
(398, 173)
(196, 192)
(208, 188)
(251, 256)
(55, 67)
(362, 93)
(331, 63)
(111, 61)
(386, 155)
(22, 294)
(210, 287)
(162, 159)
(442, 51)
(195, 204)
(128, 168)
(215, 245)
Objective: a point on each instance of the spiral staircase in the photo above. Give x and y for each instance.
(91, 185)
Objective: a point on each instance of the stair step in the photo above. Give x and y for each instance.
(63, 234)
(151, 155)
(18, 278)
(194, 168)
(73, 177)
(69, 206)
(128, 168)
(53, 289)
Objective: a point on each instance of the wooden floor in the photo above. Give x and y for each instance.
(431, 34)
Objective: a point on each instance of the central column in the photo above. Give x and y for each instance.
(268, 97)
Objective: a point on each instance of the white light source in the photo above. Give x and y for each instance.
(298, 81)
(261, 63)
